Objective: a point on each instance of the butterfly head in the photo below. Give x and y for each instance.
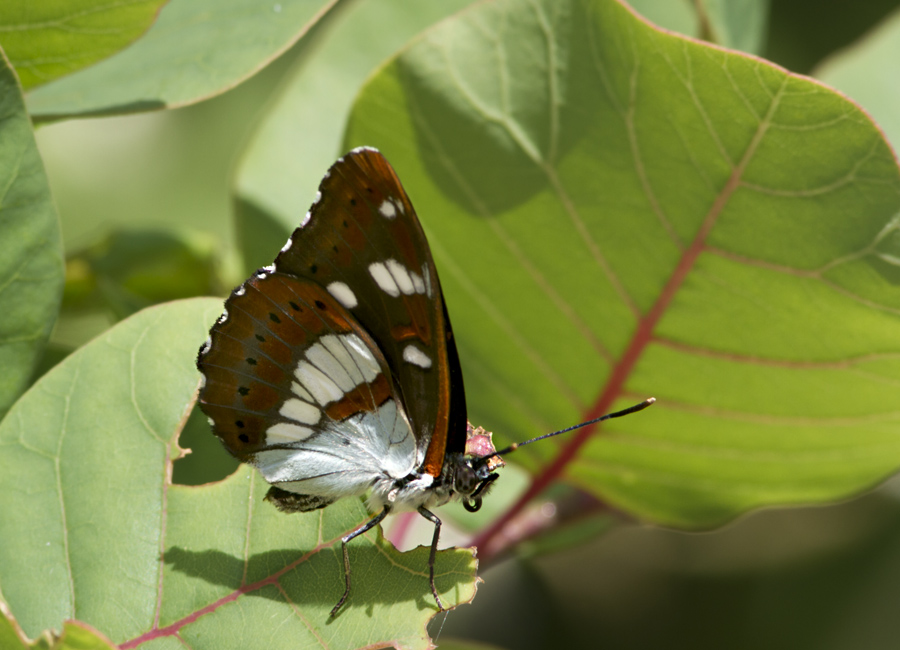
(471, 473)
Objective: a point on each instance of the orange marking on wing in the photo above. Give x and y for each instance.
(437, 447)
(403, 332)
(365, 397)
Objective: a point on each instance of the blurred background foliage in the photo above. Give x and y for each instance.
(147, 217)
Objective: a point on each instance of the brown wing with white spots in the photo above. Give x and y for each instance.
(285, 363)
(363, 243)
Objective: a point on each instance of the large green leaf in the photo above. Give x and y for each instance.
(31, 262)
(299, 139)
(46, 40)
(619, 212)
(74, 636)
(195, 49)
(93, 529)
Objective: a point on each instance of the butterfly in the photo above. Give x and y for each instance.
(334, 370)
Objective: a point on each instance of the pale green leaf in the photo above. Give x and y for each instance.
(678, 15)
(48, 39)
(738, 24)
(31, 262)
(868, 72)
(74, 636)
(94, 530)
(194, 50)
(302, 137)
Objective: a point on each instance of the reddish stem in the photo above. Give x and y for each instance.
(643, 334)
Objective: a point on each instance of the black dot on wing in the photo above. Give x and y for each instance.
(251, 361)
(346, 225)
(239, 424)
(313, 268)
(320, 304)
(244, 437)
(243, 390)
(334, 248)
(294, 305)
(369, 190)
(260, 338)
(274, 318)
(352, 201)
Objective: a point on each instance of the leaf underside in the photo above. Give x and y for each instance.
(618, 212)
(90, 447)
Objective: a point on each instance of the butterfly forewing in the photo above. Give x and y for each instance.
(363, 243)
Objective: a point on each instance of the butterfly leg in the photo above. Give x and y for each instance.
(374, 521)
(430, 516)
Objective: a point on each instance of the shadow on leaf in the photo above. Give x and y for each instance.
(381, 575)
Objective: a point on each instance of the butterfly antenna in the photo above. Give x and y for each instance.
(631, 409)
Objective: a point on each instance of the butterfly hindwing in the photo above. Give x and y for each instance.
(291, 379)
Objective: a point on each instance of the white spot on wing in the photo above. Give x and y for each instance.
(364, 358)
(383, 279)
(418, 282)
(287, 245)
(413, 355)
(401, 276)
(300, 411)
(317, 382)
(240, 291)
(332, 343)
(387, 209)
(300, 392)
(364, 148)
(427, 277)
(206, 346)
(343, 294)
(223, 317)
(284, 432)
(328, 364)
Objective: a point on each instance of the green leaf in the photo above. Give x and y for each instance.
(134, 268)
(738, 24)
(46, 40)
(618, 212)
(678, 15)
(866, 72)
(93, 529)
(31, 262)
(356, 41)
(195, 49)
(75, 636)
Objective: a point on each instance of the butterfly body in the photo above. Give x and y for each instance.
(334, 370)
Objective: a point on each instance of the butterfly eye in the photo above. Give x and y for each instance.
(472, 505)
(465, 479)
